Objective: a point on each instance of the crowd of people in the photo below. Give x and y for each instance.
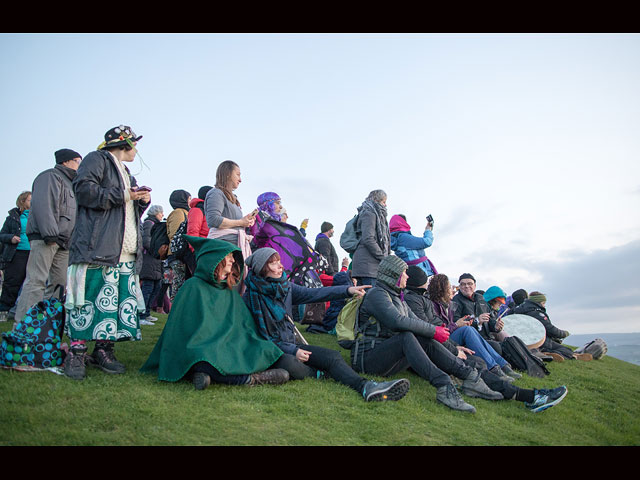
(235, 286)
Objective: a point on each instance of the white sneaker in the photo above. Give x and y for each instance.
(152, 319)
(146, 322)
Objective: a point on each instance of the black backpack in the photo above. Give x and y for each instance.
(520, 358)
(159, 241)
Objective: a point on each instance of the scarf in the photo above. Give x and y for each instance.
(382, 228)
(266, 298)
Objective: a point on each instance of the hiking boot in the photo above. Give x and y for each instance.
(74, 362)
(103, 358)
(201, 380)
(509, 371)
(449, 396)
(496, 370)
(544, 398)
(273, 376)
(556, 356)
(474, 386)
(382, 391)
(586, 357)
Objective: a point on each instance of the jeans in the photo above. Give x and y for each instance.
(427, 357)
(150, 290)
(321, 359)
(471, 338)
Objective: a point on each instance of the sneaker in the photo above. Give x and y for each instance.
(144, 321)
(510, 371)
(103, 358)
(585, 357)
(4, 316)
(544, 399)
(474, 386)
(151, 318)
(449, 396)
(503, 376)
(201, 380)
(381, 391)
(556, 356)
(273, 376)
(74, 362)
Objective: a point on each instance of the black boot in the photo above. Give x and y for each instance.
(103, 358)
(273, 376)
(74, 362)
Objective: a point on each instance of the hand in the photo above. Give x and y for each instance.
(345, 262)
(302, 355)
(143, 195)
(483, 317)
(466, 350)
(15, 239)
(442, 334)
(465, 321)
(359, 291)
(499, 325)
(249, 220)
(428, 227)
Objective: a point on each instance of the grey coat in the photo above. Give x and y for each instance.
(53, 207)
(368, 255)
(98, 235)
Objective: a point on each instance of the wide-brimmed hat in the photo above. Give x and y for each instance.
(119, 136)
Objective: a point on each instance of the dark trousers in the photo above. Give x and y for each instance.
(14, 274)
(428, 358)
(217, 377)
(322, 359)
(150, 290)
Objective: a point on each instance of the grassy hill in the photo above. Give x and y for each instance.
(42, 408)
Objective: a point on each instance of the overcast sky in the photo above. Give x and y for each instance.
(523, 147)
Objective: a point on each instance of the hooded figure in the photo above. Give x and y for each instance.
(225, 337)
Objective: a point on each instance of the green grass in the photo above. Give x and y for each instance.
(41, 408)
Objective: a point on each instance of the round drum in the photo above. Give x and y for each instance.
(527, 328)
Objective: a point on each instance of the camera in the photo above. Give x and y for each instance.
(430, 219)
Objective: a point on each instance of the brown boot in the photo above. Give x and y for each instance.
(585, 357)
(556, 356)
(273, 376)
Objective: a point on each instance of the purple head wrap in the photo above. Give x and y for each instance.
(266, 203)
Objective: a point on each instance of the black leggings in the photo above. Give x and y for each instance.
(425, 356)
(322, 359)
(217, 377)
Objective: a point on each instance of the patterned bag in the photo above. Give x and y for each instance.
(179, 244)
(35, 343)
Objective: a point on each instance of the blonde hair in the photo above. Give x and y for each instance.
(21, 202)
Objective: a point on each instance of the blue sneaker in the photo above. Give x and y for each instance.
(381, 391)
(544, 399)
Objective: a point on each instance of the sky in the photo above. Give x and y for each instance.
(523, 147)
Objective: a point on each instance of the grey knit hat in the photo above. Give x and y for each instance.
(390, 270)
(257, 260)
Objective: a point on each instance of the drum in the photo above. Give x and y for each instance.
(527, 328)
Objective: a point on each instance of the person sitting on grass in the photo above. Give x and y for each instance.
(270, 297)
(210, 335)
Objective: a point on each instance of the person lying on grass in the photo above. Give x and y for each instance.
(270, 297)
(210, 335)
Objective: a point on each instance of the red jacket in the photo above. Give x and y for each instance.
(197, 222)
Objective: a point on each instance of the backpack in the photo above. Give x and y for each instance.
(350, 238)
(346, 323)
(597, 348)
(35, 343)
(159, 241)
(520, 358)
(179, 245)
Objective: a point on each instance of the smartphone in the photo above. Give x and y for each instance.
(430, 219)
(141, 189)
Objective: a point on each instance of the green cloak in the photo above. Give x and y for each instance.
(211, 323)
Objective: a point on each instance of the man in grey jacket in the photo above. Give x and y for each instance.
(51, 221)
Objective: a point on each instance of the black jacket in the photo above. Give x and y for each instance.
(11, 228)
(151, 266)
(474, 306)
(99, 231)
(538, 312)
(325, 247)
(390, 315)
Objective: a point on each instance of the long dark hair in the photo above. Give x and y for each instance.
(439, 288)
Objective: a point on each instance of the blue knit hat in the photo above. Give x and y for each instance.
(494, 292)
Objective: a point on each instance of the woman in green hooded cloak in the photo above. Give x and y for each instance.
(210, 334)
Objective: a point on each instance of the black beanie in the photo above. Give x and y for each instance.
(519, 296)
(466, 275)
(66, 154)
(417, 276)
(202, 193)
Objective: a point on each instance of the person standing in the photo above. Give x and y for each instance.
(51, 221)
(15, 253)
(105, 257)
(152, 269)
(179, 200)
(326, 248)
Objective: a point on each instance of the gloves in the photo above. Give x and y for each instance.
(442, 334)
(565, 333)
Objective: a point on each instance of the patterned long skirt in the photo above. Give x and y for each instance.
(109, 305)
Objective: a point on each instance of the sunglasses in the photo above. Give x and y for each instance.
(125, 130)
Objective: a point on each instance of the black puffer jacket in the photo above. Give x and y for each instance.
(151, 266)
(98, 235)
(538, 312)
(11, 228)
(390, 315)
(325, 247)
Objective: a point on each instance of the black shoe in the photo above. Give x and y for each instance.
(201, 380)
(74, 362)
(103, 358)
(474, 386)
(273, 376)
(503, 376)
(510, 371)
(449, 396)
(381, 391)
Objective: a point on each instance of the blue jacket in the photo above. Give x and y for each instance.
(410, 248)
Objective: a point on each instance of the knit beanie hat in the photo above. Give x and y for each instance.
(519, 296)
(66, 154)
(258, 259)
(390, 270)
(537, 297)
(417, 276)
(495, 292)
(466, 275)
(325, 227)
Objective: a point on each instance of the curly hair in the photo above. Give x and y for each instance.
(439, 288)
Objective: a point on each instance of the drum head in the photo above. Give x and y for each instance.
(527, 328)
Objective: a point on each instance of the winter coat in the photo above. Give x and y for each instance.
(53, 206)
(538, 312)
(368, 254)
(408, 247)
(391, 315)
(99, 231)
(325, 247)
(197, 221)
(462, 306)
(11, 228)
(151, 266)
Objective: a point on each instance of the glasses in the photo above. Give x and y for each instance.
(467, 284)
(126, 130)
